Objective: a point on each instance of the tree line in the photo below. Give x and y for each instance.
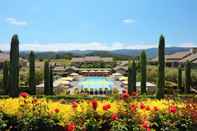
(11, 73)
(161, 73)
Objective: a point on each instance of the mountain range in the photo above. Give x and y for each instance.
(151, 53)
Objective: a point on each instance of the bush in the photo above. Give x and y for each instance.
(27, 113)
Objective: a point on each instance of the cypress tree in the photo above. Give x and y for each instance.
(46, 78)
(187, 76)
(143, 68)
(129, 77)
(6, 77)
(14, 67)
(133, 77)
(32, 84)
(179, 85)
(161, 68)
(51, 80)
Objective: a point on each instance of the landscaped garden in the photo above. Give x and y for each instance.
(126, 113)
(129, 110)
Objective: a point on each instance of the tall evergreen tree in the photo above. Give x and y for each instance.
(51, 80)
(32, 84)
(46, 78)
(187, 76)
(129, 77)
(179, 85)
(143, 68)
(6, 77)
(133, 77)
(161, 68)
(14, 67)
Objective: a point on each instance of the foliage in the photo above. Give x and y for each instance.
(32, 84)
(46, 78)
(161, 68)
(51, 80)
(187, 76)
(133, 76)
(96, 65)
(6, 77)
(143, 69)
(129, 77)
(27, 113)
(14, 67)
(180, 85)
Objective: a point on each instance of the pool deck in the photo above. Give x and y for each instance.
(116, 85)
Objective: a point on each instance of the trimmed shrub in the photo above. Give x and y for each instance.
(161, 68)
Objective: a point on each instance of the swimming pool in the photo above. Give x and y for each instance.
(95, 82)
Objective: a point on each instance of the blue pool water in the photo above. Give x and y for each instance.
(95, 82)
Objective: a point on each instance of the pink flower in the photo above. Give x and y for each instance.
(106, 107)
(114, 117)
(74, 104)
(71, 127)
(24, 94)
(94, 104)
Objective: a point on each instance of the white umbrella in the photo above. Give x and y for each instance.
(74, 74)
(117, 74)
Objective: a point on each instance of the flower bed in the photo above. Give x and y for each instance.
(28, 113)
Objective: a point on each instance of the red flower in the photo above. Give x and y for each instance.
(133, 107)
(24, 94)
(114, 117)
(71, 127)
(148, 129)
(156, 108)
(124, 94)
(142, 106)
(145, 124)
(56, 110)
(172, 109)
(74, 104)
(148, 108)
(94, 104)
(106, 107)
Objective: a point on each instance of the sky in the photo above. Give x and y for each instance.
(57, 25)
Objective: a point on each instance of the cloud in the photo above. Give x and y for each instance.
(14, 21)
(128, 21)
(77, 46)
(36, 46)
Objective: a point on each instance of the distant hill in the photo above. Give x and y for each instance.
(126, 53)
(151, 52)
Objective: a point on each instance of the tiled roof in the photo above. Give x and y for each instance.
(178, 55)
(174, 57)
(191, 58)
(4, 57)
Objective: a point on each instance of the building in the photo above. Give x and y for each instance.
(91, 59)
(121, 69)
(6, 57)
(179, 58)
